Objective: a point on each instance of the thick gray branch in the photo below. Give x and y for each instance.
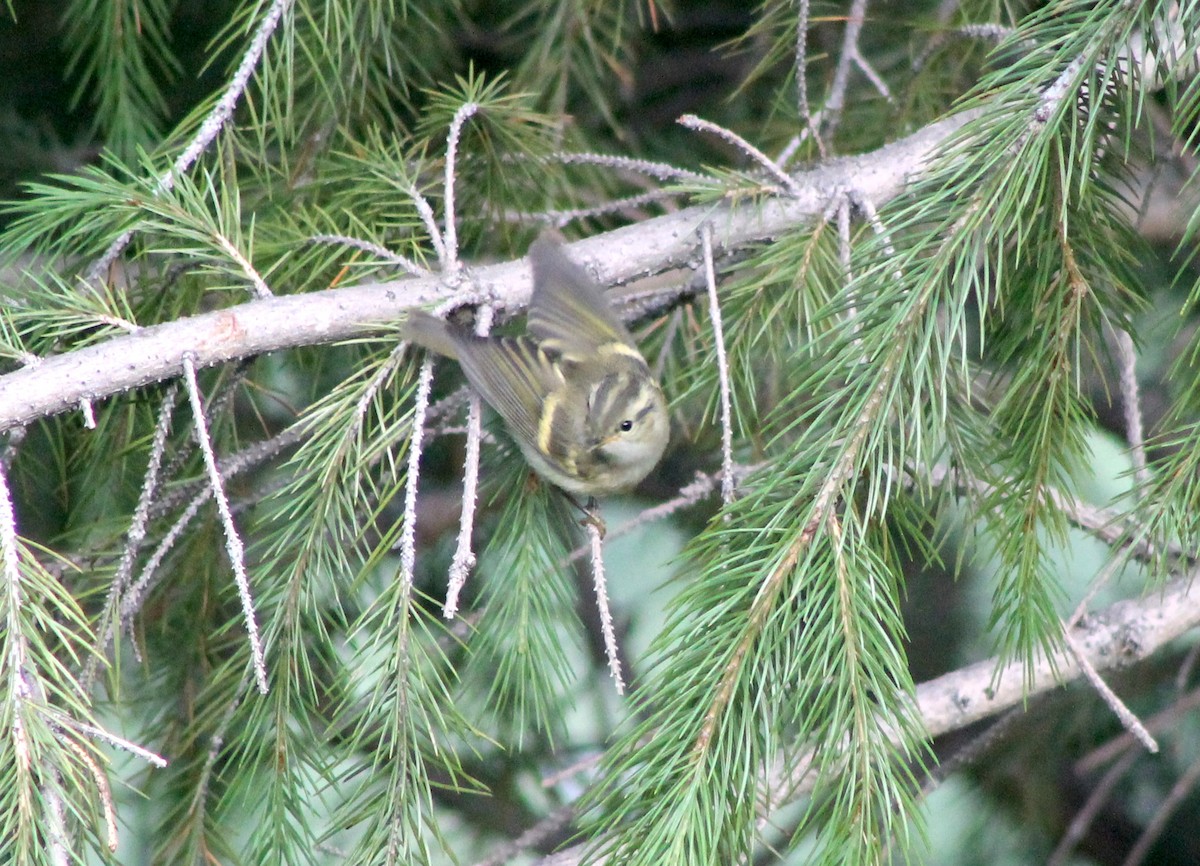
(1118, 636)
(156, 353)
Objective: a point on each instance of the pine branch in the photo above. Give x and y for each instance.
(216, 120)
(1117, 637)
(653, 246)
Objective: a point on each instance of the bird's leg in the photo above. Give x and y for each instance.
(590, 511)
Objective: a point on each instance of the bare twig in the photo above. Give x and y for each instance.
(133, 538)
(212, 125)
(660, 170)
(101, 783)
(695, 491)
(1130, 400)
(802, 19)
(1182, 787)
(559, 218)
(1095, 802)
(600, 584)
(535, 835)
(450, 235)
(233, 541)
(786, 181)
(1130, 721)
(831, 114)
(1161, 721)
(405, 264)
(408, 537)
(132, 602)
(971, 752)
(714, 315)
(425, 211)
(464, 559)
(104, 737)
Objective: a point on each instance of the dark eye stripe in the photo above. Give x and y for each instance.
(645, 409)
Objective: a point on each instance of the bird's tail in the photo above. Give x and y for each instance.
(429, 332)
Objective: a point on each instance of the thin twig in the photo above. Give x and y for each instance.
(104, 736)
(425, 211)
(535, 835)
(132, 602)
(261, 289)
(405, 264)
(714, 315)
(789, 149)
(874, 77)
(845, 253)
(241, 461)
(600, 585)
(864, 204)
(408, 535)
(209, 128)
(464, 559)
(560, 218)
(802, 20)
(1163, 720)
(832, 112)
(450, 235)
(659, 170)
(101, 783)
(700, 488)
(1130, 721)
(691, 121)
(1097, 583)
(1130, 401)
(134, 537)
(968, 754)
(1087, 813)
(1182, 787)
(233, 541)
(215, 743)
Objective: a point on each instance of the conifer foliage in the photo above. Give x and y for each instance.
(275, 586)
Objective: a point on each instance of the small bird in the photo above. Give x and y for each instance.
(575, 392)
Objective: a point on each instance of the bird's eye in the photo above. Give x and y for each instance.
(626, 426)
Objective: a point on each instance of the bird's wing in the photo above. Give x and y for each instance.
(568, 312)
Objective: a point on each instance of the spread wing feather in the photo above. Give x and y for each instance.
(568, 312)
(513, 376)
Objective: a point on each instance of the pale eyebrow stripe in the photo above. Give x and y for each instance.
(616, 348)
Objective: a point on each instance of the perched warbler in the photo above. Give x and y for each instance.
(574, 392)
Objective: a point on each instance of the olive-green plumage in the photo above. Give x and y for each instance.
(575, 392)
